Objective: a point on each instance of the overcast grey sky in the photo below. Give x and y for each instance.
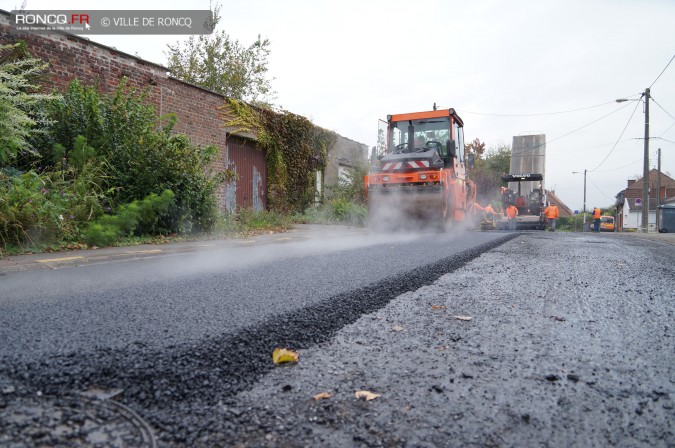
(509, 67)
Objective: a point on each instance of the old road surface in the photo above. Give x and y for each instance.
(468, 339)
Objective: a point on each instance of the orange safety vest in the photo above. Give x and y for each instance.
(511, 212)
(551, 212)
(596, 213)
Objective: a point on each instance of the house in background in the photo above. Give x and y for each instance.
(629, 201)
(563, 210)
(343, 158)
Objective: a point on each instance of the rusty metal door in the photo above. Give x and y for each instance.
(249, 189)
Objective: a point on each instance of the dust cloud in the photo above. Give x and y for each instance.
(405, 213)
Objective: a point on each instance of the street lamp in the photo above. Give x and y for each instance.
(578, 172)
(645, 167)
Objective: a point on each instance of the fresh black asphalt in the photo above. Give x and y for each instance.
(569, 344)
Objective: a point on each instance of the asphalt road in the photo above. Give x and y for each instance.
(569, 343)
(170, 296)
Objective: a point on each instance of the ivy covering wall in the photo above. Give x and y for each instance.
(295, 149)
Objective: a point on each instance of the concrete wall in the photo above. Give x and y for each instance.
(528, 155)
(632, 219)
(345, 155)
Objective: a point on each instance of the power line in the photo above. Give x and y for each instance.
(621, 167)
(555, 153)
(667, 129)
(619, 139)
(571, 132)
(652, 156)
(657, 78)
(664, 139)
(537, 114)
(652, 98)
(600, 191)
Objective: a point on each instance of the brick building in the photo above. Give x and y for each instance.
(629, 201)
(197, 109)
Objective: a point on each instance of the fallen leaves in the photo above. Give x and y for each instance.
(397, 328)
(438, 307)
(322, 396)
(282, 355)
(367, 395)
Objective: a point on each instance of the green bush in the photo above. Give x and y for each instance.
(120, 131)
(250, 219)
(21, 104)
(49, 206)
(335, 211)
(350, 186)
(133, 218)
(348, 212)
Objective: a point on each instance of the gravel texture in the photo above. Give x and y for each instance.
(569, 344)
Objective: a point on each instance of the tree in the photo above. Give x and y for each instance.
(488, 170)
(221, 64)
(20, 100)
(477, 147)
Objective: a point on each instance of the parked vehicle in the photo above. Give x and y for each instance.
(666, 218)
(607, 223)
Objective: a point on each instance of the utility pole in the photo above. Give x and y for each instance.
(658, 189)
(584, 211)
(645, 169)
(584, 228)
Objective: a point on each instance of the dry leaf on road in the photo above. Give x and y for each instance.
(397, 328)
(438, 307)
(366, 394)
(282, 355)
(463, 317)
(322, 396)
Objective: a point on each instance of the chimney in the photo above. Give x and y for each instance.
(631, 182)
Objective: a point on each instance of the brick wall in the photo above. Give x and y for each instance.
(72, 57)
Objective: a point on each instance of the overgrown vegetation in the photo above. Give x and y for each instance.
(117, 136)
(334, 211)
(296, 149)
(21, 103)
(490, 165)
(345, 202)
(102, 169)
(252, 220)
(52, 206)
(67, 160)
(136, 218)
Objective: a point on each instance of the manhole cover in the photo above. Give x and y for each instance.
(73, 422)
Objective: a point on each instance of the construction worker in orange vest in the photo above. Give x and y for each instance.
(489, 212)
(551, 213)
(596, 219)
(511, 214)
